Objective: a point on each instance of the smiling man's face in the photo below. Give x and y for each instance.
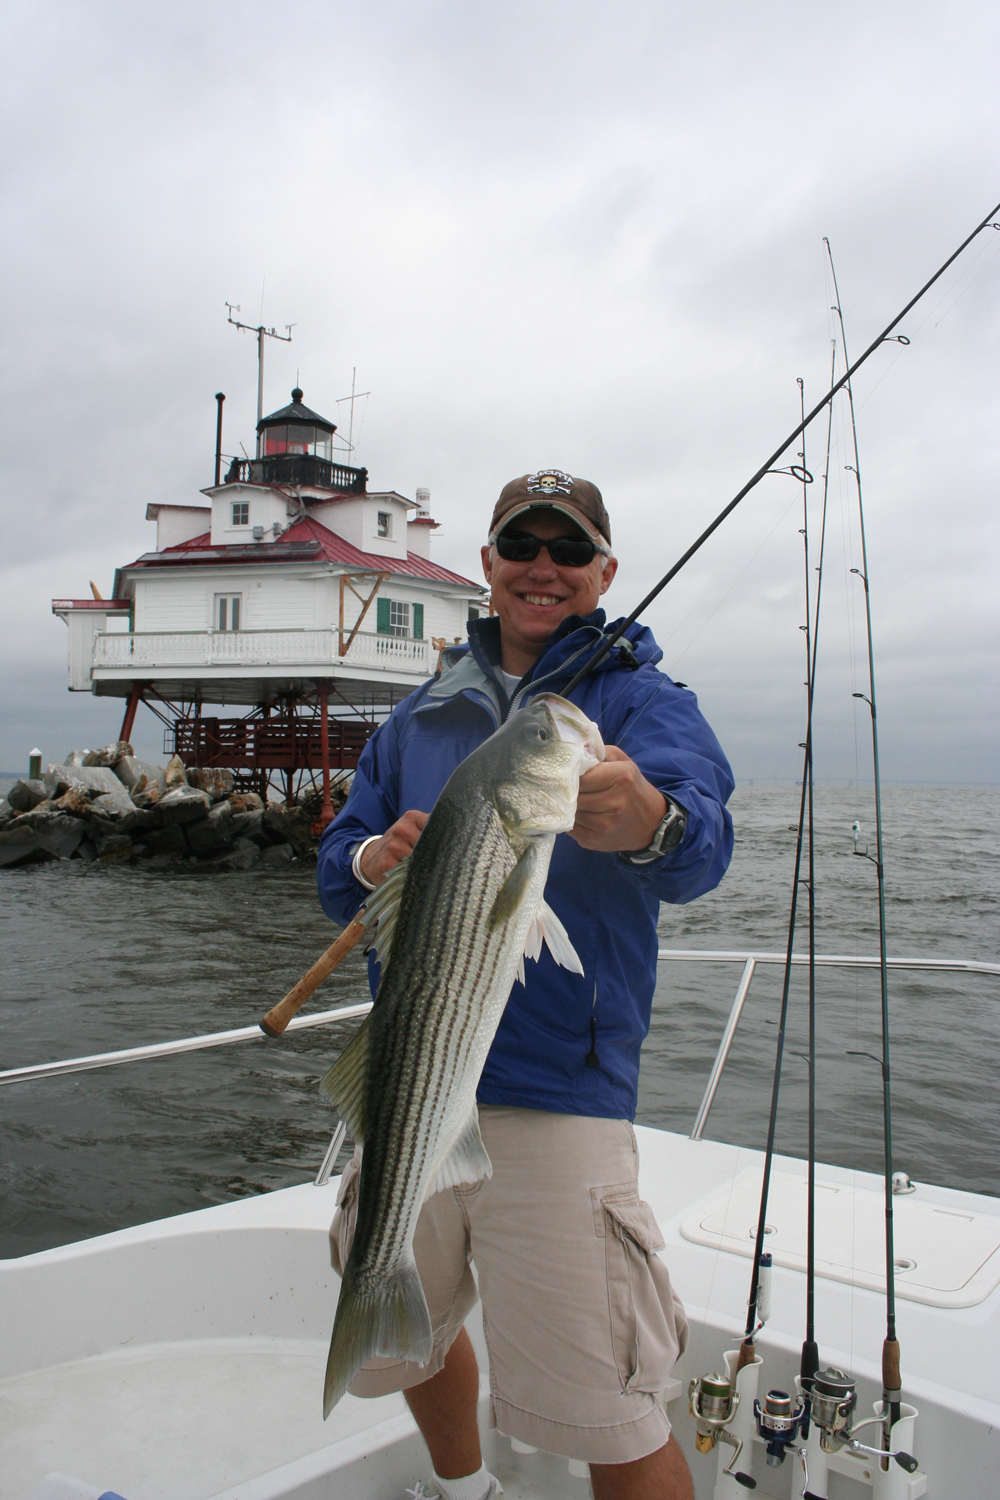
(533, 598)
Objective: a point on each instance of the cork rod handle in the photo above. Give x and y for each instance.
(891, 1379)
(279, 1016)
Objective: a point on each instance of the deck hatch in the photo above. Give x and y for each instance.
(953, 1255)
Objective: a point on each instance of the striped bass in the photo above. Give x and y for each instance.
(455, 921)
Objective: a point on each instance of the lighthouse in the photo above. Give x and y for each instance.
(282, 614)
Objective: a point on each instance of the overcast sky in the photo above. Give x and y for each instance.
(545, 234)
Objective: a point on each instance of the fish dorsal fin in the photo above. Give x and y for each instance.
(513, 890)
(547, 928)
(467, 1161)
(346, 1084)
(382, 907)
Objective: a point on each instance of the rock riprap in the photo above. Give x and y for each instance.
(107, 806)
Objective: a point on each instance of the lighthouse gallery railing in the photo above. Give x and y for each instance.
(256, 648)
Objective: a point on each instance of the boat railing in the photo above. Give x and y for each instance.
(750, 961)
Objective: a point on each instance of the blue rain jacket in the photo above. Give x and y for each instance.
(539, 1056)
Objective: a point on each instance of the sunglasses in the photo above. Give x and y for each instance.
(565, 551)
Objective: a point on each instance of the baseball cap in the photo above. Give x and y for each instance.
(551, 489)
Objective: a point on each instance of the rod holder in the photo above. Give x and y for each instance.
(892, 1480)
(744, 1382)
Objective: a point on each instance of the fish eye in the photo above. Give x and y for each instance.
(543, 734)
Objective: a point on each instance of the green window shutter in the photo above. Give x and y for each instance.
(418, 622)
(382, 606)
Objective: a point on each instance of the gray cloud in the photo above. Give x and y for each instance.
(545, 233)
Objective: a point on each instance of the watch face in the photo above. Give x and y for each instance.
(671, 829)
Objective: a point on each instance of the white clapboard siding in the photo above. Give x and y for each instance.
(286, 601)
(175, 603)
(282, 603)
(445, 617)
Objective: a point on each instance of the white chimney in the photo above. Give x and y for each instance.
(418, 530)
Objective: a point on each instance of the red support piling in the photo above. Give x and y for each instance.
(326, 811)
(129, 719)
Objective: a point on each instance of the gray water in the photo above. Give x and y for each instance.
(96, 959)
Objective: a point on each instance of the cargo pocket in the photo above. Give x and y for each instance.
(648, 1326)
(346, 1215)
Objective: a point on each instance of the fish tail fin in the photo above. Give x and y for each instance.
(393, 1321)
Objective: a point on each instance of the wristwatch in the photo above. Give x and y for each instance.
(669, 832)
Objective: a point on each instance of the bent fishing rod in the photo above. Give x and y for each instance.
(274, 1023)
(766, 467)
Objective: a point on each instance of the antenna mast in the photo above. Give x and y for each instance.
(262, 334)
(355, 395)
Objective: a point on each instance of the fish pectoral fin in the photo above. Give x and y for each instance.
(547, 928)
(513, 890)
(347, 1082)
(467, 1162)
(382, 909)
(391, 1320)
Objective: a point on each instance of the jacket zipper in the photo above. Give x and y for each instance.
(537, 682)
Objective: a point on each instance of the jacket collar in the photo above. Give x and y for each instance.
(475, 668)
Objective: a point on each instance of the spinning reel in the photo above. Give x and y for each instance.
(713, 1403)
(778, 1423)
(832, 1400)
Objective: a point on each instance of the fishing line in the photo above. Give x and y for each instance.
(962, 293)
(610, 641)
(708, 619)
(884, 377)
(891, 1379)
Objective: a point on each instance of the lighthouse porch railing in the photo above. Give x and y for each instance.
(134, 650)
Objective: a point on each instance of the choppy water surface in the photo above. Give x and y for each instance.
(102, 958)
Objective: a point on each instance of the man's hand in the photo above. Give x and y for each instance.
(395, 844)
(618, 809)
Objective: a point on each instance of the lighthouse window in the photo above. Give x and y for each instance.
(307, 441)
(384, 527)
(241, 512)
(227, 611)
(399, 618)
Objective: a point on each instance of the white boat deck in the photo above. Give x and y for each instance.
(185, 1358)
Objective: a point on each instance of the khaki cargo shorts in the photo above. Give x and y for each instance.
(582, 1325)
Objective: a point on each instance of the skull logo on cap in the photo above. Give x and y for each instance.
(550, 482)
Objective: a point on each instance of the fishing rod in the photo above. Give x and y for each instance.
(809, 1363)
(766, 467)
(716, 1400)
(277, 1019)
(828, 1398)
(891, 1377)
(810, 1351)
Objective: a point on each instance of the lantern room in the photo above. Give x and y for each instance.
(295, 430)
(295, 447)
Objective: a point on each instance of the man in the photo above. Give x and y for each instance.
(581, 1322)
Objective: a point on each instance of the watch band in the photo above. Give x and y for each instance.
(669, 832)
